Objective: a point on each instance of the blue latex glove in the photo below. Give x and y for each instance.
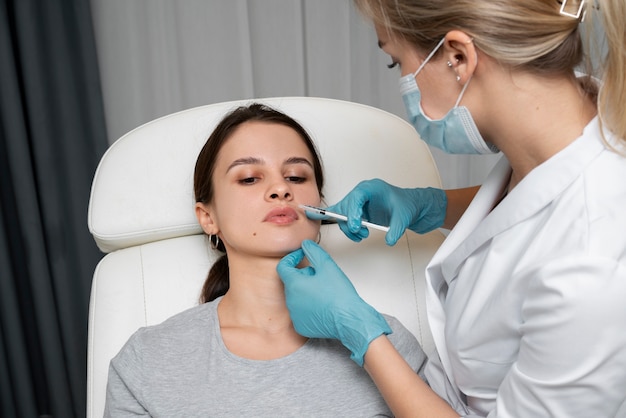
(323, 303)
(420, 210)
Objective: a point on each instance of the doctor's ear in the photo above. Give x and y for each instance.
(460, 54)
(206, 219)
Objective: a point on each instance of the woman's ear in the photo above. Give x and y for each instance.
(206, 219)
(461, 54)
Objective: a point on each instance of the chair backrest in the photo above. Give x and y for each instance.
(141, 213)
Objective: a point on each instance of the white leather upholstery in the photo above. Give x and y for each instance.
(141, 213)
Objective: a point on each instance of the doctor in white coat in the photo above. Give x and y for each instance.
(527, 295)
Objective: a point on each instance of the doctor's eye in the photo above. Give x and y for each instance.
(392, 65)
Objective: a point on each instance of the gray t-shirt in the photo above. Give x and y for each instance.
(181, 368)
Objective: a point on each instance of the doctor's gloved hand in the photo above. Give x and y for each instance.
(420, 210)
(323, 303)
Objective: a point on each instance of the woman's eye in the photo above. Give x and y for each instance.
(248, 180)
(392, 65)
(295, 179)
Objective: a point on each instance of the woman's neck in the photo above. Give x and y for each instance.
(253, 315)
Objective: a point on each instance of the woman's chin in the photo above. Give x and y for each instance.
(287, 247)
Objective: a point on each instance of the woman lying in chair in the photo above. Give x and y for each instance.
(238, 354)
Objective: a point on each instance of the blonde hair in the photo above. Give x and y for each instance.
(612, 97)
(528, 35)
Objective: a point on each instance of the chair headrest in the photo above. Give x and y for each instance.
(143, 188)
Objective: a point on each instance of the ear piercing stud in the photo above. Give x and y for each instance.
(449, 64)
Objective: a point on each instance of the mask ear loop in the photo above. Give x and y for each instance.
(462, 92)
(429, 56)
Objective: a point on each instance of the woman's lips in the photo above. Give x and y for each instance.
(281, 215)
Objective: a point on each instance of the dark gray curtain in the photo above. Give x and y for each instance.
(52, 135)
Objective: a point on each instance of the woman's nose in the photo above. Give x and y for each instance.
(280, 190)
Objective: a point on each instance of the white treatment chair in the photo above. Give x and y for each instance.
(141, 212)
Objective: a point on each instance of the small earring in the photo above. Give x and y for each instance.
(449, 64)
(458, 78)
(214, 243)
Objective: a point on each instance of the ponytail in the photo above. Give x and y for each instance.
(612, 97)
(217, 282)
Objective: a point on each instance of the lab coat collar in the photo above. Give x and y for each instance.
(538, 189)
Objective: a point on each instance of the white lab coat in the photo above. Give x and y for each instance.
(527, 299)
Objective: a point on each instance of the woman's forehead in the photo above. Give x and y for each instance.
(262, 142)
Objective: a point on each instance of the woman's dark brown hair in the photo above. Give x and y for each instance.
(217, 282)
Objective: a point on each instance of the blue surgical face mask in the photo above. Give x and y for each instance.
(456, 132)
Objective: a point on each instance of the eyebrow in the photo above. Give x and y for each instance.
(259, 161)
(244, 161)
(381, 44)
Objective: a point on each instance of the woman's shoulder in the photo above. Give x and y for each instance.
(398, 327)
(168, 351)
(196, 316)
(406, 343)
(395, 324)
(400, 337)
(180, 330)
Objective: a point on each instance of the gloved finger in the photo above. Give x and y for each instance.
(315, 254)
(396, 230)
(354, 236)
(287, 267)
(307, 271)
(293, 258)
(333, 278)
(351, 206)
